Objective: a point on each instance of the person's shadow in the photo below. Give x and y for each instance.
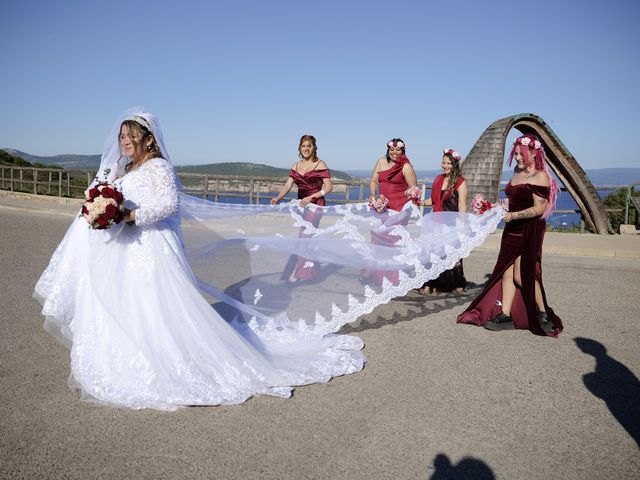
(614, 383)
(411, 306)
(467, 469)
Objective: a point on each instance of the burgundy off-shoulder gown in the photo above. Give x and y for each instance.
(521, 238)
(308, 183)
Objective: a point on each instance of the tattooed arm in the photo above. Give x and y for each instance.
(539, 206)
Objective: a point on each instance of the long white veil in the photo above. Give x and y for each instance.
(350, 258)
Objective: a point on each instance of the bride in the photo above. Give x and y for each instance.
(127, 303)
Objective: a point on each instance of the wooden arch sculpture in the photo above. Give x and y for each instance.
(482, 168)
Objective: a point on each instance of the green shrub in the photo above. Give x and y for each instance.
(617, 200)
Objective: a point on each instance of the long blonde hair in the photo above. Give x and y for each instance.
(153, 151)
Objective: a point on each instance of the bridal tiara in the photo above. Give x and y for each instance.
(140, 120)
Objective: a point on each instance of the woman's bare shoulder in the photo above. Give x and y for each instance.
(541, 179)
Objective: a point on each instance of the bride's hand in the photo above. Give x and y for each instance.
(129, 217)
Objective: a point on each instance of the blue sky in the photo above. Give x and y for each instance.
(242, 80)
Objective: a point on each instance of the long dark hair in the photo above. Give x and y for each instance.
(455, 173)
(394, 141)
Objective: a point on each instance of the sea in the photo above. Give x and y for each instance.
(567, 215)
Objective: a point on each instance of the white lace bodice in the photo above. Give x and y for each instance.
(152, 192)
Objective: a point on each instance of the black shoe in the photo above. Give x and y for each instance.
(500, 322)
(545, 323)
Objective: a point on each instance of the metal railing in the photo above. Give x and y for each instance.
(255, 189)
(73, 183)
(45, 181)
(630, 201)
(262, 189)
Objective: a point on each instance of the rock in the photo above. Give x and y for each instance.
(627, 229)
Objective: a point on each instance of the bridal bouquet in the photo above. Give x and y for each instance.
(103, 207)
(415, 195)
(379, 203)
(479, 205)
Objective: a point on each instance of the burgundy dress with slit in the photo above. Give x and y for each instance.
(308, 183)
(447, 201)
(520, 238)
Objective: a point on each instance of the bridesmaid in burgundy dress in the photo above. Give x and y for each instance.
(514, 296)
(394, 174)
(448, 194)
(313, 179)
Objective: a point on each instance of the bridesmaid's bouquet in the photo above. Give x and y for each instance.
(103, 207)
(479, 205)
(415, 195)
(379, 203)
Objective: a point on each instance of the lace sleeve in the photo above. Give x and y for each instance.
(163, 200)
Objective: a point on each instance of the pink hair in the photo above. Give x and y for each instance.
(538, 158)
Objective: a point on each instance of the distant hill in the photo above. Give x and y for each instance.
(226, 168)
(598, 176)
(64, 161)
(245, 168)
(7, 158)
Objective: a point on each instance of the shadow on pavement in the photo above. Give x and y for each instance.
(467, 469)
(414, 305)
(614, 383)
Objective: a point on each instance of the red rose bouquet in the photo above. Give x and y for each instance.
(104, 206)
(379, 203)
(479, 205)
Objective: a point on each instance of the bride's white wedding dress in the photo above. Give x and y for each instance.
(131, 308)
(141, 334)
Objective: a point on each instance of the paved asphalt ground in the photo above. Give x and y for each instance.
(436, 401)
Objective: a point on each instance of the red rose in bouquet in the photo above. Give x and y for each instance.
(103, 207)
(479, 205)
